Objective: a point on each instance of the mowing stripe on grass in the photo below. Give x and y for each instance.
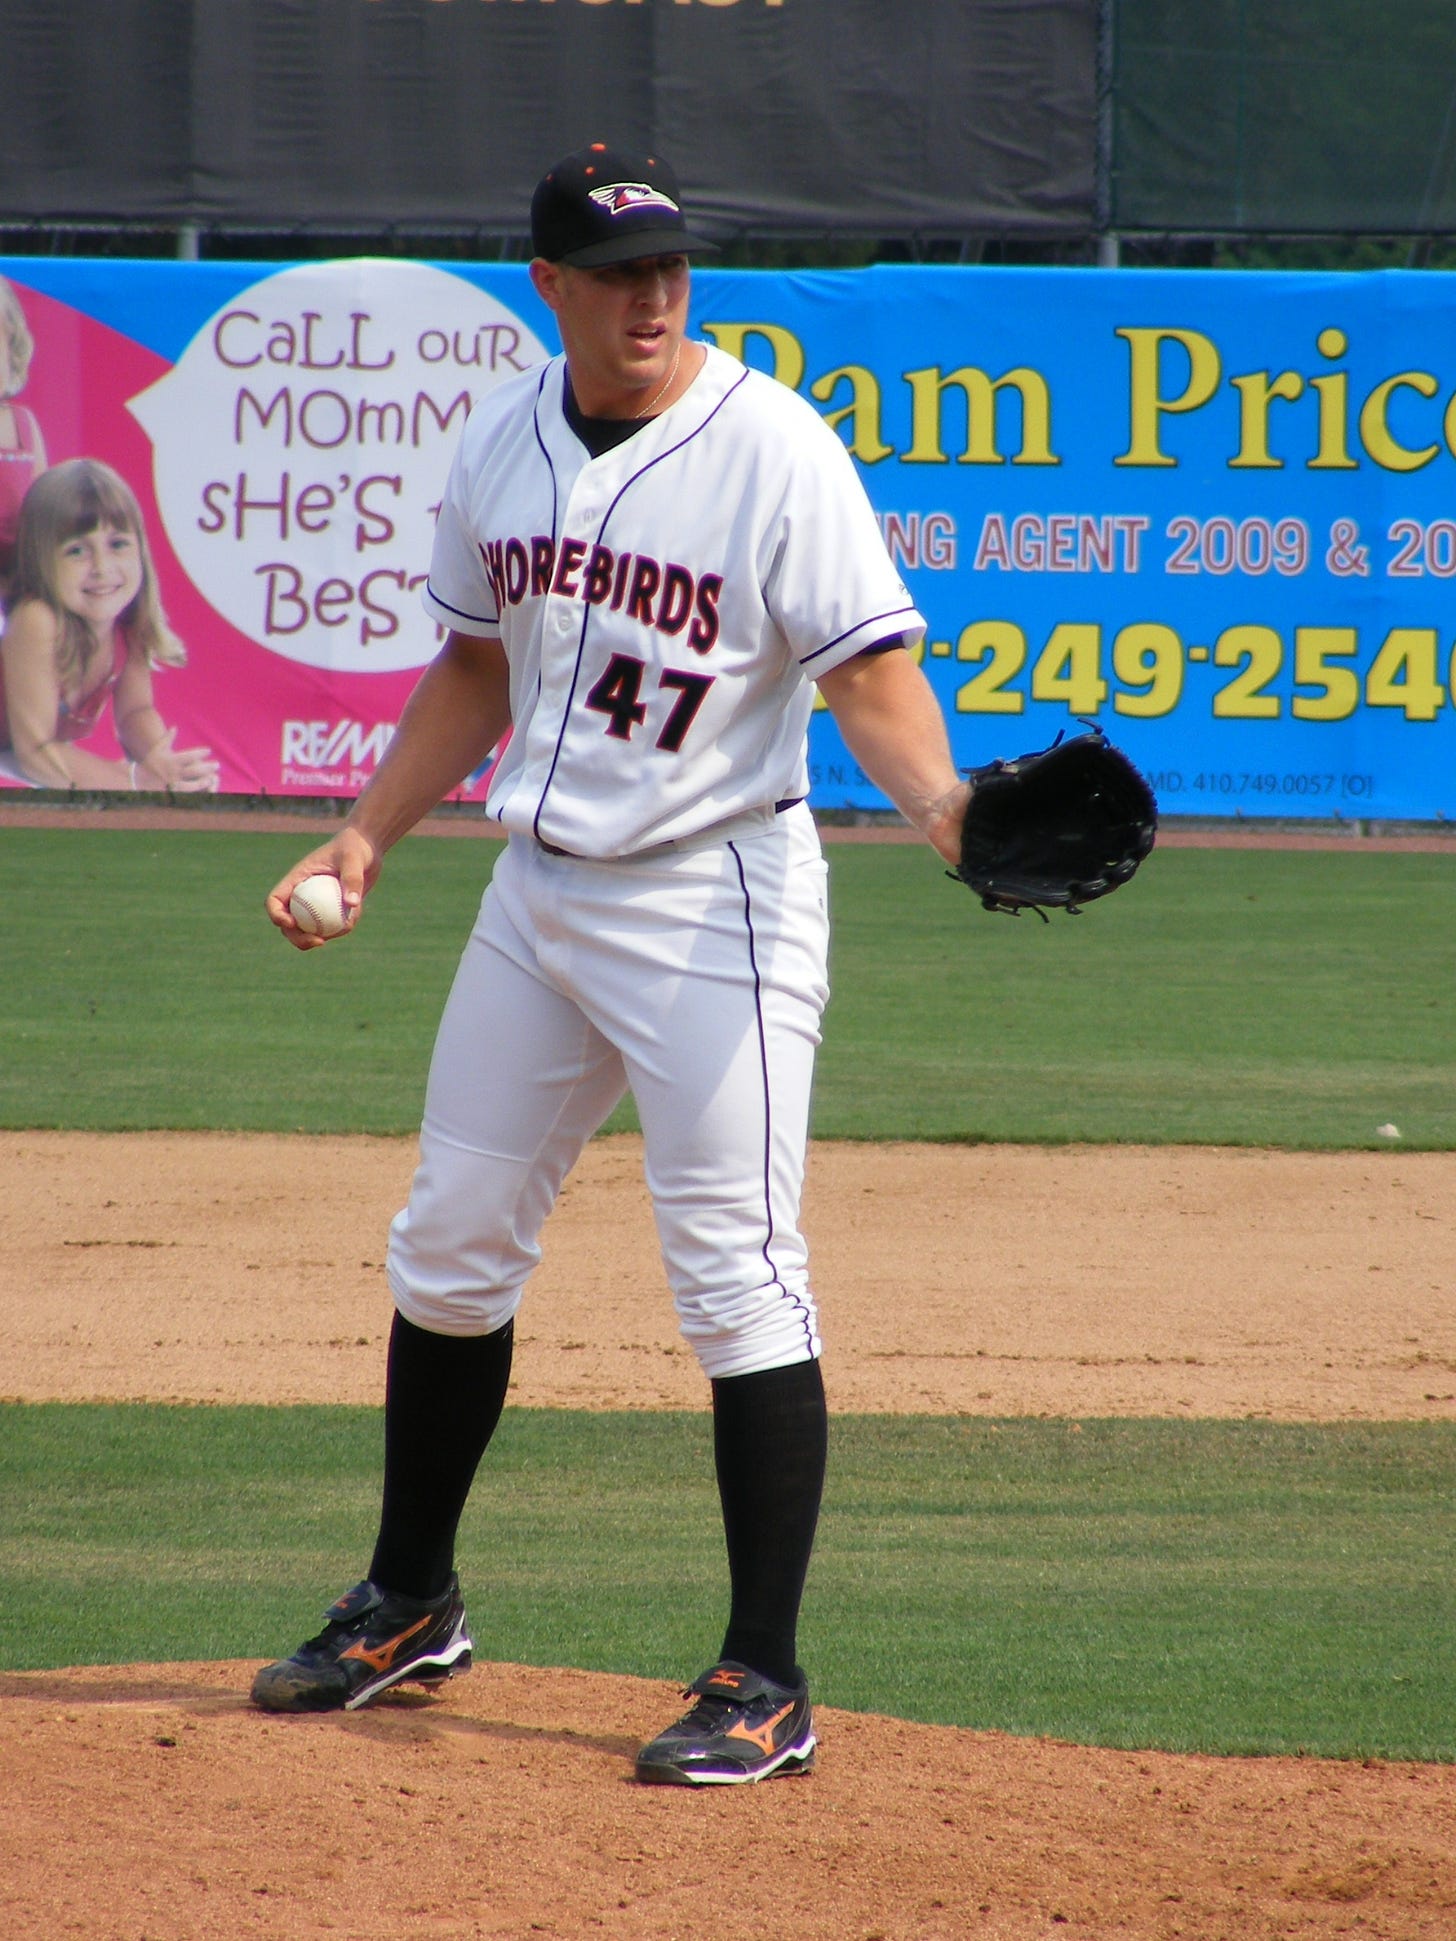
(1227, 997)
(1214, 1586)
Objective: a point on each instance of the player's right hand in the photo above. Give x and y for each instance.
(349, 856)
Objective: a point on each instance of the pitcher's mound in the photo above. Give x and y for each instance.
(153, 1801)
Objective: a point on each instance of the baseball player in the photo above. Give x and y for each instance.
(646, 555)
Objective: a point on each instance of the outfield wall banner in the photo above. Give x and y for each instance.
(1212, 511)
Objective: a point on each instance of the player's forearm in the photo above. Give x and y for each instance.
(456, 715)
(891, 722)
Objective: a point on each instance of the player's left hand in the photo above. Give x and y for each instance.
(1056, 828)
(943, 825)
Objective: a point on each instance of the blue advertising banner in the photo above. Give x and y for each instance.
(1215, 512)
(1212, 511)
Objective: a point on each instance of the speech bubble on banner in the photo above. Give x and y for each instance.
(300, 447)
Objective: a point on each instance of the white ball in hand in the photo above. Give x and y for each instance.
(317, 906)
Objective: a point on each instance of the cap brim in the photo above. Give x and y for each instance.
(638, 243)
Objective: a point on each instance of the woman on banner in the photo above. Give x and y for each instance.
(85, 628)
(22, 447)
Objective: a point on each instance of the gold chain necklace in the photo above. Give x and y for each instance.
(648, 410)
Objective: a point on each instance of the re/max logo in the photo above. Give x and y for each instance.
(326, 744)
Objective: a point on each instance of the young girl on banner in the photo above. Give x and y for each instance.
(22, 448)
(85, 627)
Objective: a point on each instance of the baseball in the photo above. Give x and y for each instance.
(317, 906)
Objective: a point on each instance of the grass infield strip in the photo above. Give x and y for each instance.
(1228, 997)
(1244, 1587)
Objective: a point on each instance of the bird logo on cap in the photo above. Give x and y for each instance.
(624, 198)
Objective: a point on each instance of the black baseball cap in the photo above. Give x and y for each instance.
(606, 205)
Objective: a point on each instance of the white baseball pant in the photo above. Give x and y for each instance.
(694, 974)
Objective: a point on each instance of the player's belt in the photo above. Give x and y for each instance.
(738, 825)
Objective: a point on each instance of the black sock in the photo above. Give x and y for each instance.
(770, 1436)
(443, 1398)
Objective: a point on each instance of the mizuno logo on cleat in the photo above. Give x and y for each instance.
(382, 1656)
(762, 1737)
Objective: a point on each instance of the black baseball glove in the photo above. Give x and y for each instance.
(1056, 828)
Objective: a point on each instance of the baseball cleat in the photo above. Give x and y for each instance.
(743, 1727)
(371, 1639)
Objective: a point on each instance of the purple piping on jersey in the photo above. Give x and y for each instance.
(641, 473)
(551, 474)
(766, 1250)
(893, 614)
(540, 440)
(475, 619)
(478, 619)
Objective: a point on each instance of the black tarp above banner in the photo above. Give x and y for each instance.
(877, 117)
(1303, 116)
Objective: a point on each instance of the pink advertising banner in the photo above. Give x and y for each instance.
(284, 433)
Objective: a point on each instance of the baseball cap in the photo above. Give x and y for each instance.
(607, 205)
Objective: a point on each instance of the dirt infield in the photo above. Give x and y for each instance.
(223, 1267)
(152, 1802)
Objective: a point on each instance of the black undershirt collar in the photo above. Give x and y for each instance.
(597, 434)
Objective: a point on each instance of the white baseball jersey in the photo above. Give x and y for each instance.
(664, 607)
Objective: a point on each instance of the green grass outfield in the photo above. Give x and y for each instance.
(1229, 997)
(1217, 1586)
(1195, 1586)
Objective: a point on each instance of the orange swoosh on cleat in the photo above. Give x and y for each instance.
(763, 1737)
(384, 1655)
